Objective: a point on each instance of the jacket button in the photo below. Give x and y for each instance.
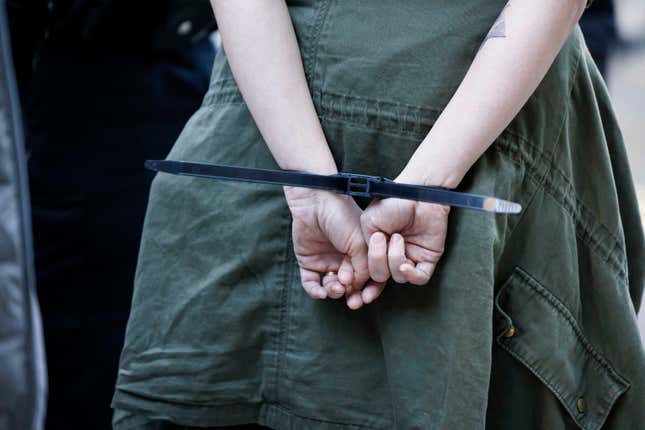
(581, 405)
(510, 332)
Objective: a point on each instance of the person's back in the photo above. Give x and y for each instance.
(506, 334)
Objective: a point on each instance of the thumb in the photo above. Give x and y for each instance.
(368, 221)
(357, 254)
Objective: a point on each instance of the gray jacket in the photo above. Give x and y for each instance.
(22, 362)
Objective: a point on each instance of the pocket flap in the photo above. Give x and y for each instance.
(539, 331)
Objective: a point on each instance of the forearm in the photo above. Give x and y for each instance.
(510, 64)
(263, 53)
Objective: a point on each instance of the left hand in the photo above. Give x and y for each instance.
(327, 240)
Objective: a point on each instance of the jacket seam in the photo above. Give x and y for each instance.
(125, 405)
(376, 100)
(311, 56)
(583, 233)
(567, 182)
(318, 420)
(564, 195)
(411, 120)
(577, 210)
(534, 177)
(284, 310)
(581, 215)
(408, 136)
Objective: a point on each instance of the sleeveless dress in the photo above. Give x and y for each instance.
(530, 319)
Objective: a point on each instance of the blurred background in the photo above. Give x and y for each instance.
(86, 144)
(625, 76)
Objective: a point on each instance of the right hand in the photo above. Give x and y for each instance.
(327, 240)
(406, 239)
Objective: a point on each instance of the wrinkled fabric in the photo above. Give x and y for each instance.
(22, 362)
(221, 332)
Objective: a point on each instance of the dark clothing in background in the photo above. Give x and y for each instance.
(598, 25)
(124, 25)
(112, 84)
(93, 120)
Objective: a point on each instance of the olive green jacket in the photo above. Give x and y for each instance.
(530, 319)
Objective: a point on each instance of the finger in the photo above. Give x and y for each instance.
(358, 257)
(371, 291)
(311, 283)
(346, 272)
(396, 257)
(419, 274)
(368, 220)
(354, 300)
(418, 253)
(377, 257)
(332, 286)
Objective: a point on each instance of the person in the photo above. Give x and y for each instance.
(447, 318)
(107, 86)
(23, 374)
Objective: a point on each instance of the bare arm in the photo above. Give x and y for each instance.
(407, 239)
(262, 50)
(510, 64)
(260, 42)
(263, 53)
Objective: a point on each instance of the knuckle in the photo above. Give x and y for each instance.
(355, 243)
(367, 219)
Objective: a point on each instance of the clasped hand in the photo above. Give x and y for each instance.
(355, 252)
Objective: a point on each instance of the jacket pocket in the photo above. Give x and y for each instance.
(540, 332)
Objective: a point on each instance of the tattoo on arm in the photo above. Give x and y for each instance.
(498, 30)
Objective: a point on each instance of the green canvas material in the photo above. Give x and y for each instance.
(222, 333)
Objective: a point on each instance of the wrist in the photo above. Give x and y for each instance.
(439, 161)
(310, 165)
(428, 175)
(305, 151)
(298, 197)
